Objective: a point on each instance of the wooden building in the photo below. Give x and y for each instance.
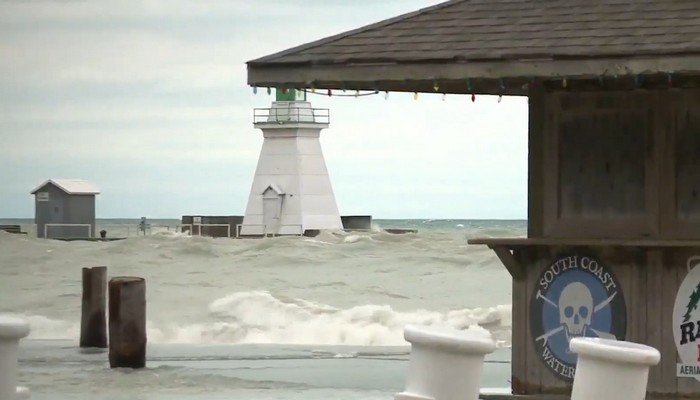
(614, 160)
(65, 209)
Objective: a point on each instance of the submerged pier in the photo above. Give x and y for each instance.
(437, 364)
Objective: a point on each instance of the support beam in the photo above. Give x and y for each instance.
(512, 265)
(396, 74)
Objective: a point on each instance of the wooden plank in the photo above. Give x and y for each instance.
(372, 76)
(513, 266)
(520, 328)
(622, 263)
(549, 160)
(536, 132)
(657, 117)
(535, 366)
(668, 288)
(635, 301)
(641, 296)
(654, 318)
(665, 126)
(593, 242)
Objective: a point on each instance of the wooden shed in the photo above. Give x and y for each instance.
(65, 209)
(614, 160)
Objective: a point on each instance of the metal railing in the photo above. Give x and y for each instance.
(120, 230)
(129, 229)
(301, 228)
(239, 226)
(46, 228)
(199, 231)
(149, 228)
(264, 231)
(283, 115)
(181, 226)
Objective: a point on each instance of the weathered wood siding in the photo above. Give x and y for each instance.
(600, 164)
(681, 175)
(622, 164)
(612, 165)
(649, 279)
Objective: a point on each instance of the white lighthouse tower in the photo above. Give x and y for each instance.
(291, 190)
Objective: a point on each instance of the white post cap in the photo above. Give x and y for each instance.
(13, 328)
(615, 351)
(466, 341)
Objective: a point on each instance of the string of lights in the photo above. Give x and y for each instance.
(564, 81)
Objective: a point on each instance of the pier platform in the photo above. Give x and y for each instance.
(89, 239)
(59, 370)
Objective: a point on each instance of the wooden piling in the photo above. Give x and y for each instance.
(127, 322)
(93, 322)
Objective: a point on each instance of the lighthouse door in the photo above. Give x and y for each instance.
(271, 214)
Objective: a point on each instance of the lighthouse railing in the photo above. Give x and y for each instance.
(291, 114)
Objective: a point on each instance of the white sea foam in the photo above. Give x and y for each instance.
(260, 317)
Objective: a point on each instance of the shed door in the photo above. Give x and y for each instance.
(57, 217)
(271, 214)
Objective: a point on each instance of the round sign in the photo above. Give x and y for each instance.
(577, 295)
(686, 322)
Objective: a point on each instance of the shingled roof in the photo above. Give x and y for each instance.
(611, 36)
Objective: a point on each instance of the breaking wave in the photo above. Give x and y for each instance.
(260, 317)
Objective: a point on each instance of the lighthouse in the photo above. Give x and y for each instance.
(291, 191)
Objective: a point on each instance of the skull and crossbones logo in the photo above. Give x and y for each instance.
(576, 310)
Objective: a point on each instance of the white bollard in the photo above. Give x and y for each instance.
(445, 364)
(11, 331)
(611, 370)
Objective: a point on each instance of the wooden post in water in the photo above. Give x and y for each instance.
(127, 322)
(93, 322)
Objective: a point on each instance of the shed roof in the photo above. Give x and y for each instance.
(70, 186)
(498, 39)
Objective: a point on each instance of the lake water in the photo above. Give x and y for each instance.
(282, 318)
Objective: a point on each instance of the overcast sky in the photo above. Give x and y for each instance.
(148, 101)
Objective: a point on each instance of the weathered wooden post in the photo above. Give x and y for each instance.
(445, 364)
(127, 322)
(11, 331)
(93, 322)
